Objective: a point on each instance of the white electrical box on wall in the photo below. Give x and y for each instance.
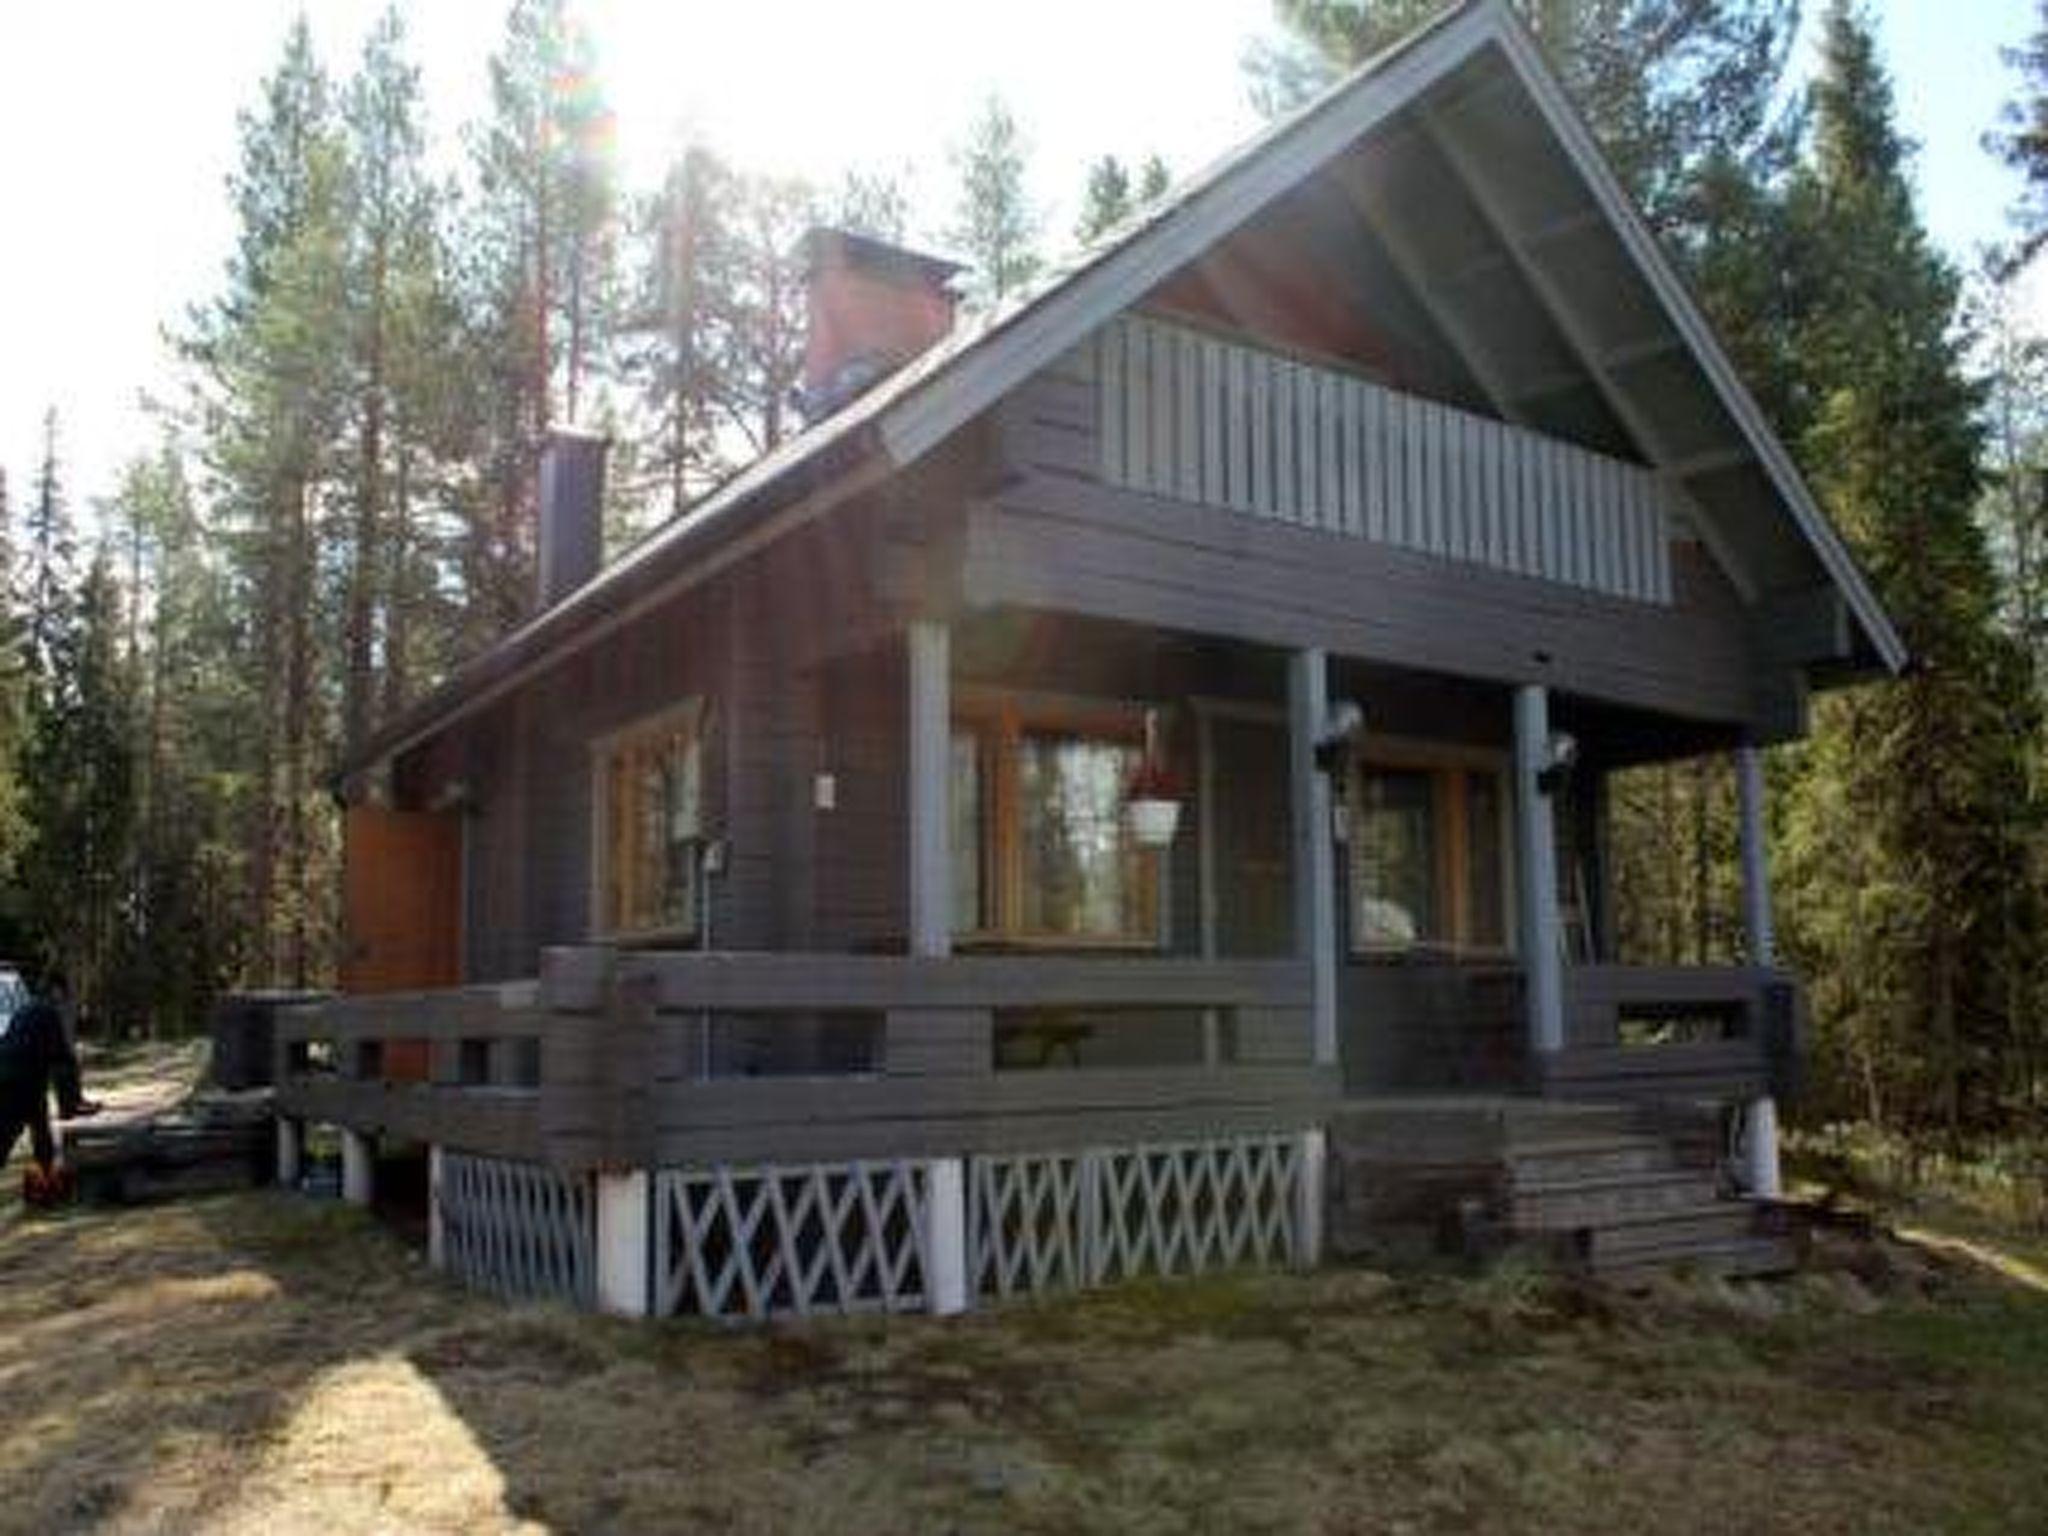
(825, 791)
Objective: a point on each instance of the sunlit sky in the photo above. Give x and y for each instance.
(117, 128)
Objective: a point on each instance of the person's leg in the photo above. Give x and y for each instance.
(41, 1142)
(72, 1104)
(13, 1120)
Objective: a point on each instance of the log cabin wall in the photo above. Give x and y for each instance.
(1634, 615)
(791, 656)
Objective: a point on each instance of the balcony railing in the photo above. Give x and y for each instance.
(1186, 415)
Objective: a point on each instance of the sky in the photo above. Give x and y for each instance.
(117, 119)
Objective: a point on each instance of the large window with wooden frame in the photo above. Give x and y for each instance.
(1429, 838)
(647, 824)
(1041, 854)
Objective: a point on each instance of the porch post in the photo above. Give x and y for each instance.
(949, 1288)
(358, 1166)
(624, 1215)
(1760, 1116)
(1315, 879)
(931, 730)
(1756, 874)
(290, 1148)
(1536, 835)
(437, 1221)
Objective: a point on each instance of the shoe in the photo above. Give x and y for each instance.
(84, 1109)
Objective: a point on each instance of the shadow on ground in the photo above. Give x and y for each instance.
(258, 1363)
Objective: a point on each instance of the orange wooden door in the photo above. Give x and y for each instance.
(401, 900)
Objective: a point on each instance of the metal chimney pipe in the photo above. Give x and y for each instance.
(571, 534)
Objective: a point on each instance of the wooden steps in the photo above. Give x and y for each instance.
(1599, 1188)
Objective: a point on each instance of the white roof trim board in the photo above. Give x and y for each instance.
(916, 409)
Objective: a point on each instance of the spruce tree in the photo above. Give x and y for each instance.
(1105, 199)
(1667, 85)
(13, 716)
(50, 554)
(76, 868)
(873, 203)
(1902, 824)
(2021, 140)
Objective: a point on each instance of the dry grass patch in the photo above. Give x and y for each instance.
(256, 1363)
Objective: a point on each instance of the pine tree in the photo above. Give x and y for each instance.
(542, 286)
(995, 224)
(768, 313)
(178, 944)
(274, 383)
(678, 350)
(399, 326)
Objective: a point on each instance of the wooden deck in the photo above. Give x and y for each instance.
(609, 1059)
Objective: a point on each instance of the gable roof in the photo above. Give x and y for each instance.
(1462, 91)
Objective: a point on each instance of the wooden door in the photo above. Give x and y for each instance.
(401, 900)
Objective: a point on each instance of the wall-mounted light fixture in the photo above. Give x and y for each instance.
(1560, 755)
(1343, 725)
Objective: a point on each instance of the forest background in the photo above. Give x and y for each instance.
(335, 505)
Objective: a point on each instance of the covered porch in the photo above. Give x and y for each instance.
(1433, 850)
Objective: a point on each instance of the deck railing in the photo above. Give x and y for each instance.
(611, 1059)
(1726, 1033)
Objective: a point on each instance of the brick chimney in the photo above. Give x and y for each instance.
(873, 307)
(571, 542)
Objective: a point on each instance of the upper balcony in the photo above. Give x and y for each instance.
(1185, 414)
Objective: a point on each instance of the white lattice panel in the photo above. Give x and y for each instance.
(774, 1240)
(1113, 1213)
(1195, 1207)
(517, 1229)
(1027, 1221)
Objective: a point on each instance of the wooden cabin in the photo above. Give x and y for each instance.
(1124, 790)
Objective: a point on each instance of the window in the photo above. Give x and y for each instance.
(1428, 856)
(1040, 850)
(648, 828)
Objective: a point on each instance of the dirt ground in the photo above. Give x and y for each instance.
(262, 1363)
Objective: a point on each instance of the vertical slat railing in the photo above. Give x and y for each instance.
(1193, 417)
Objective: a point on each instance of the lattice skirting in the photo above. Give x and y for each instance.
(518, 1229)
(791, 1239)
(1064, 1220)
(779, 1239)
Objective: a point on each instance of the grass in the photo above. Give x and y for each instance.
(258, 1363)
